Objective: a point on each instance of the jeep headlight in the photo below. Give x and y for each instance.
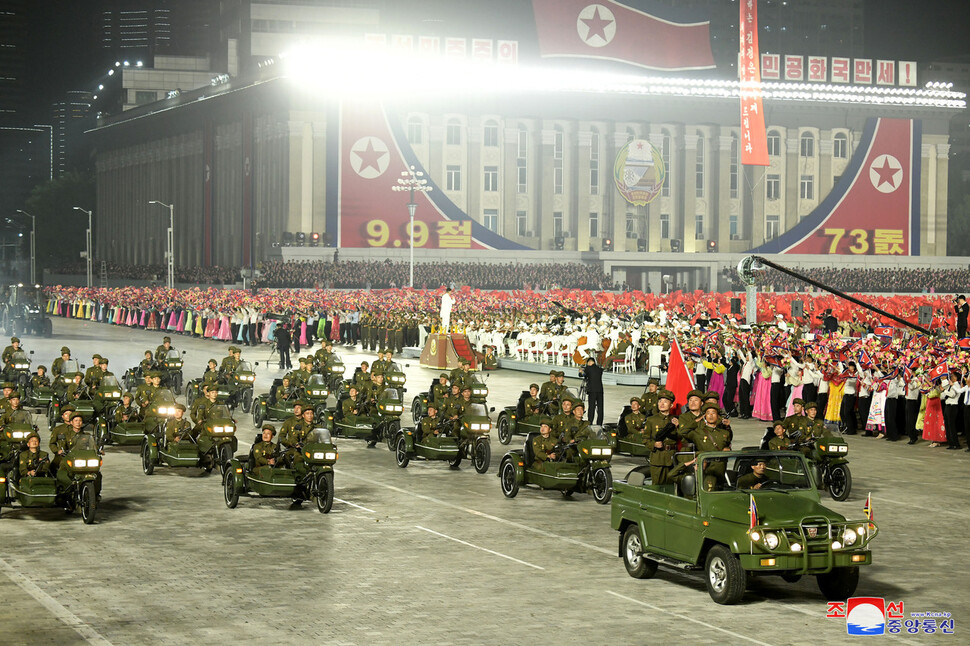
(22, 365)
(844, 448)
(115, 394)
(771, 540)
(318, 455)
(19, 435)
(796, 547)
(479, 391)
(836, 545)
(330, 455)
(336, 369)
(755, 535)
(849, 536)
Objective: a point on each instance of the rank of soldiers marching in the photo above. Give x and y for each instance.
(427, 553)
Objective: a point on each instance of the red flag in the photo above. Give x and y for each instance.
(752, 512)
(938, 372)
(680, 380)
(613, 31)
(868, 507)
(754, 142)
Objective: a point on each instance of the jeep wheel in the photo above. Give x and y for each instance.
(510, 483)
(324, 492)
(146, 460)
(229, 488)
(401, 454)
(602, 486)
(637, 565)
(481, 455)
(840, 482)
(504, 429)
(725, 577)
(838, 584)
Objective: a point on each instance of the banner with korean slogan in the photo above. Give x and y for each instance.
(371, 153)
(874, 207)
(754, 141)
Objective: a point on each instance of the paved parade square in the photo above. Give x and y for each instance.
(426, 554)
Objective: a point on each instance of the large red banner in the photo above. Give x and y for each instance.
(754, 143)
(613, 31)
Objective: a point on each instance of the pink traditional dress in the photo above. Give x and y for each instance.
(762, 396)
(933, 428)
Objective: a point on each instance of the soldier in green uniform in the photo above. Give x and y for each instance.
(13, 405)
(284, 391)
(430, 426)
(9, 351)
(126, 411)
(577, 429)
(531, 405)
(452, 408)
(633, 423)
(711, 436)
(490, 360)
(295, 436)
(649, 398)
(229, 363)
(33, 461)
(543, 446)
(264, 452)
(162, 351)
(352, 407)
(561, 419)
(211, 375)
(550, 389)
(816, 427)
(148, 363)
(379, 363)
(461, 374)
(692, 417)
(757, 478)
(56, 367)
(93, 375)
(798, 425)
(440, 390)
(362, 374)
(661, 432)
(295, 419)
(780, 441)
(8, 387)
(40, 380)
(322, 355)
(145, 392)
(177, 428)
(61, 436)
(201, 412)
(77, 389)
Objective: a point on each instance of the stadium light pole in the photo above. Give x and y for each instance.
(88, 252)
(171, 241)
(33, 254)
(412, 181)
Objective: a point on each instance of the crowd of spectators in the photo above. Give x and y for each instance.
(888, 280)
(159, 273)
(387, 274)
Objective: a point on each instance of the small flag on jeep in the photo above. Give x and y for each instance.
(868, 508)
(753, 512)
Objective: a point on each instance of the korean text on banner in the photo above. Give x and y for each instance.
(754, 143)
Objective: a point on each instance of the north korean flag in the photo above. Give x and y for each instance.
(964, 343)
(612, 31)
(884, 332)
(938, 372)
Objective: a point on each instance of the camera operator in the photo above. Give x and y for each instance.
(593, 375)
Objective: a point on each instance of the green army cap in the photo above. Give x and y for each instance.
(42, 367)
(76, 416)
(96, 356)
(778, 422)
(69, 407)
(212, 361)
(560, 373)
(166, 338)
(531, 386)
(653, 381)
(14, 339)
(232, 348)
(798, 400)
(578, 404)
(637, 400)
(65, 350)
(710, 394)
(33, 434)
(553, 373)
(301, 403)
(128, 395)
(14, 395)
(810, 405)
(707, 407)
(269, 427)
(72, 375)
(545, 420)
(9, 384)
(443, 375)
(666, 394)
(466, 387)
(180, 406)
(695, 393)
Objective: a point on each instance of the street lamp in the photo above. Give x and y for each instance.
(88, 252)
(33, 254)
(171, 241)
(412, 181)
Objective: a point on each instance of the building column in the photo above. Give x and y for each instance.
(544, 189)
(580, 197)
(690, 193)
(318, 179)
(826, 146)
(940, 222)
(295, 216)
(789, 183)
(619, 204)
(476, 170)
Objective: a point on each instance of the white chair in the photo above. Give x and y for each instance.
(565, 353)
(624, 363)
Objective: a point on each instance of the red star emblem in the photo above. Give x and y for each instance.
(369, 157)
(597, 25)
(886, 173)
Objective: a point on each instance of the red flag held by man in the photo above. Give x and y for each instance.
(680, 380)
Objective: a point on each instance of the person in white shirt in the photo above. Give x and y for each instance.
(950, 398)
(894, 403)
(745, 380)
(865, 399)
(447, 302)
(849, 396)
(913, 395)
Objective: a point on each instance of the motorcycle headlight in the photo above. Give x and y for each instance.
(318, 455)
(844, 448)
(771, 540)
(849, 536)
(479, 391)
(19, 435)
(331, 455)
(218, 429)
(115, 394)
(22, 365)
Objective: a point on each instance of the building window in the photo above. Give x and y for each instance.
(735, 231)
(491, 134)
(840, 149)
(698, 227)
(773, 187)
(806, 187)
(665, 226)
(774, 143)
(491, 178)
(699, 166)
(142, 97)
(557, 225)
(522, 147)
(771, 227)
(490, 219)
(594, 164)
(665, 155)
(453, 133)
(520, 223)
(557, 155)
(631, 225)
(734, 166)
(807, 148)
(454, 178)
(415, 131)
(520, 163)
(594, 225)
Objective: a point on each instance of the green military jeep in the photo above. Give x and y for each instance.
(733, 532)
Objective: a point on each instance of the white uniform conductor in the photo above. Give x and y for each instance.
(447, 301)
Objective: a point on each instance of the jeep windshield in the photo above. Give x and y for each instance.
(476, 410)
(740, 472)
(244, 366)
(316, 381)
(219, 411)
(110, 382)
(173, 355)
(319, 435)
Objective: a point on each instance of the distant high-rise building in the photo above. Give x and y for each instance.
(13, 59)
(69, 118)
(146, 28)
